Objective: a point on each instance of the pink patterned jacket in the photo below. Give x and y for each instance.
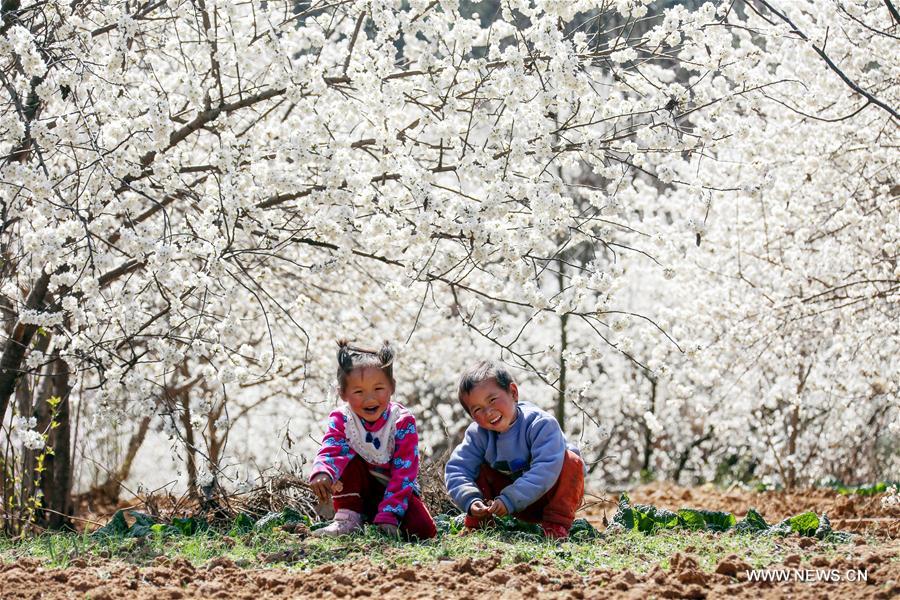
(390, 446)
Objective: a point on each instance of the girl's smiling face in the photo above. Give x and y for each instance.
(368, 392)
(491, 406)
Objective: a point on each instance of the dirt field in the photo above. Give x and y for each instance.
(451, 579)
(876, 553)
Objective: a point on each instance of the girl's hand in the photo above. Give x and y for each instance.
(389, 530)
(322, 486)
(497, 508)
(479, 509)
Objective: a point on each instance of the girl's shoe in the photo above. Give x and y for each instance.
(345, 522)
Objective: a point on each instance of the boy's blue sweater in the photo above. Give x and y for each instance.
(531, 451)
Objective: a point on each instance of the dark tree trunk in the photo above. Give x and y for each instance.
(686, 454)
(57, 481)
(648, 434)
(18, 342)
(27, 457)
(215, 440)
(563, 345)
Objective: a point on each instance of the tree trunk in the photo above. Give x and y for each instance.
(648, 434)
(57, 481)
(190, 453)
(686, 454)
(216, 441)
(561, 397)
(563, 344)
(27, 457)
(18, 342)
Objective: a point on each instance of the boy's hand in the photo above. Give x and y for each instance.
(322, 486)
(389, 530)
(497, 508)
(479, 509)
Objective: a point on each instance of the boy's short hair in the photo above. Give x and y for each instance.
(351, 357)
(480, 372)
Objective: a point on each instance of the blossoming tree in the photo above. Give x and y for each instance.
(198, 196)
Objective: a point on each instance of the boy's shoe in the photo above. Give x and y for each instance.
(555, 531)
(345, 522)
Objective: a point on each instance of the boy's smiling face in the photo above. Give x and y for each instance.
(491, 406)
(368, 392)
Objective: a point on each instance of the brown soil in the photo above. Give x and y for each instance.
(450, 579)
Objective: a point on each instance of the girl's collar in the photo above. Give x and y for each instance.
(379, 423)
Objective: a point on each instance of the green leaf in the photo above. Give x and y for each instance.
(277, 519)
(117, 526)
(804, 524)
(624, 515)
(187, 526)
(449, 524)
(648, 518)
(142, 518)
(442, 522)
(824, 528)
(691, 519)
(242, 524)
(269, 521)
(752, 523)
(292, 516)
(582, 530)
(139, 531)
(718, 520)
(643, 517)
(514, 525)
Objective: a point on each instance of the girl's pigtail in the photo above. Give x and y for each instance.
(386, 357)
(344, 359)
(386, 354)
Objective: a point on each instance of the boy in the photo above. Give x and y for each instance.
(514, 458)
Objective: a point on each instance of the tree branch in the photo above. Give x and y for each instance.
(852, 84)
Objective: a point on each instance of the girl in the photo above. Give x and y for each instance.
(369, 459)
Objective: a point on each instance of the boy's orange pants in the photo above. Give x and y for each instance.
(557, 506)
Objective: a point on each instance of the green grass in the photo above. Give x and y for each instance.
(629, 550)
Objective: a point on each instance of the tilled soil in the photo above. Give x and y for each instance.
(448, 579)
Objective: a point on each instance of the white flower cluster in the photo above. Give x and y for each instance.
(24, 434)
